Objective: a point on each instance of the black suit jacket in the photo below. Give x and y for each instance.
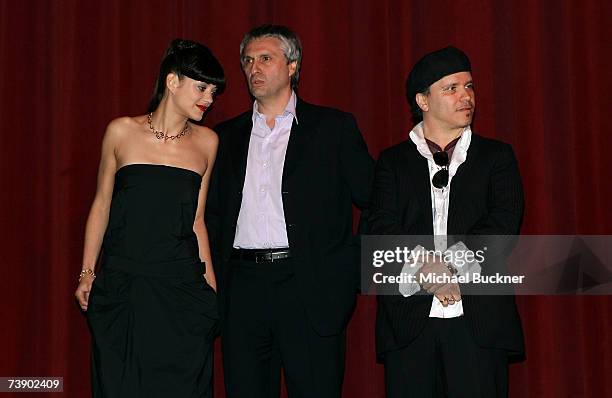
(486, 198)
(327, 168)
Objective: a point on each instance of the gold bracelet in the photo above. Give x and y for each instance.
(86, 271)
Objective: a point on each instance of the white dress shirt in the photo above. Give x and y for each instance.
(261, 221)
(439, 209)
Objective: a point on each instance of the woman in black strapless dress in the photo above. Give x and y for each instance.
(152, 308)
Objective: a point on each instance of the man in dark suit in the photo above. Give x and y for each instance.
(279, 216)
(449, 183)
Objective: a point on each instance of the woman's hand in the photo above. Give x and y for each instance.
(211, 282)
(82, 291)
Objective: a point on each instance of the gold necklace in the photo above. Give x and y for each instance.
(161, 135)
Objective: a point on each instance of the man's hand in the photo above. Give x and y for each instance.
(434, 269)
(448, 294)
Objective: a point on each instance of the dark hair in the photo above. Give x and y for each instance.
(290, 44)
(191, 59)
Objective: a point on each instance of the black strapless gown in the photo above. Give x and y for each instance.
(151, 313)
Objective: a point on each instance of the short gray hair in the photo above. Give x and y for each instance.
(290, 44)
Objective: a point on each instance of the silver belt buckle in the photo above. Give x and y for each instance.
(262, 257)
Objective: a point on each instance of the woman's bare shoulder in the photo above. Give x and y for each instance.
(126, 123)
(205, 137)
(122, 126)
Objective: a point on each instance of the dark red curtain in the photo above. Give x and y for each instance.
(543, 83)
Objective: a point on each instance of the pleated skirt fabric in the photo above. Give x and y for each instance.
(153, 326)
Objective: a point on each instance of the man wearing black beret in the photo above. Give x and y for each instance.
(449, 184)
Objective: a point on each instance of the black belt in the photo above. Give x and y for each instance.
(261, 255)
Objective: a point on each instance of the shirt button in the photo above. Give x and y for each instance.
(265, 164)
(262, 190)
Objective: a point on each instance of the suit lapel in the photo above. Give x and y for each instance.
(419, 171)
(459, 182)
(301, 132)
(240, 147)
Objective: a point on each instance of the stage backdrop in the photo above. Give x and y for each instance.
(542, 78)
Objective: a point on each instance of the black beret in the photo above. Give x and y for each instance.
(433, 67)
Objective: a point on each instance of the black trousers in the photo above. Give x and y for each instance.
(444, 361)
(266, 328)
